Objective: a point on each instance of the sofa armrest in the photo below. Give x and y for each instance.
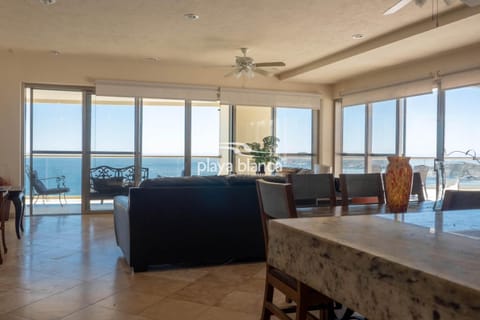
(121, 222)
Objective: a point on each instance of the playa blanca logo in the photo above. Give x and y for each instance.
(243, 158)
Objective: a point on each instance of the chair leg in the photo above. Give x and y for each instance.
(60, 199)
(302, 306)
(268, 297)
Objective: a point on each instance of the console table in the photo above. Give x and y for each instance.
(422, 266)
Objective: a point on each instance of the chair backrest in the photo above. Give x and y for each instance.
(276, 202)
(461, 200)
(37, 184)
(361, 188)
(418, 186)
(423, 170)
(310, 187)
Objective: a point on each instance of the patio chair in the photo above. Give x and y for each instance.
(40, 189)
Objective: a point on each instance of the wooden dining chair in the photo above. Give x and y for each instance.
(361, 188)
(276, 201)
(313, 189)
(461, 200)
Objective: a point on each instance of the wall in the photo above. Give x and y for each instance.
(30, 67)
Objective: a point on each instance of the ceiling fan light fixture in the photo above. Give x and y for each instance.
(191, 16)
(48, 2)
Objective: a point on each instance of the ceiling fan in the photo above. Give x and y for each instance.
(248, 67)
(402, 3)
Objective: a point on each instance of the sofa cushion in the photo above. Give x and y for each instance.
(184, 181)
(108, 185)
(247, 180)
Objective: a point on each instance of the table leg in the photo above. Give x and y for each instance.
(2, 225)
(23, 212)
(18, 214)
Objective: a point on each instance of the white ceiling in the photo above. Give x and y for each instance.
(313, 37)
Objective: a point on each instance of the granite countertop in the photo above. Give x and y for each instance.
(412, 266)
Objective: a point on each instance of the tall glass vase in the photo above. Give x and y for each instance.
(398, 183)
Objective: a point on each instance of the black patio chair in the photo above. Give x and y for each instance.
(41, 190)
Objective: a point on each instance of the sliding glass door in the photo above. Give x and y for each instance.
(53, 151)
(112, 150)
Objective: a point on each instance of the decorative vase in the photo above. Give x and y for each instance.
(398, 183)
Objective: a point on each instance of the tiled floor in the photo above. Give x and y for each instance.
(69, 267)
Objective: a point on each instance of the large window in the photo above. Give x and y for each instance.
(462, 140)
(293, 127)
(408, 126)
(353, 139)
(252, 124)
(206, 158)
(421, 136)
(104, 145)
(384, 116)
(163, 137)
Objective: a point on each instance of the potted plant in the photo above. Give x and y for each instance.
(262, 153)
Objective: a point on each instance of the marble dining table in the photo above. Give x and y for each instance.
(422, 265)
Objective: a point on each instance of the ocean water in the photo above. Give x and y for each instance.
(71, 168)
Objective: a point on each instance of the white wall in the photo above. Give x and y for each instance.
(29, 67)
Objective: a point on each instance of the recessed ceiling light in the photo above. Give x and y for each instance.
(55, 53)
(357, 36)
(153, 59)
(48, 2)
(191, 16)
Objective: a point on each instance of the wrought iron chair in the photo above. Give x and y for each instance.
(40, 189)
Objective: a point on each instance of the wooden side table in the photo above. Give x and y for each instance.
(3, 199)
(15, 194)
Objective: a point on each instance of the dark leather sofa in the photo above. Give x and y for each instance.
(190, 220)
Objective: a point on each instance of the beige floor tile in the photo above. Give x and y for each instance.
(17, 298)
(10, 316)
(50, 308)
(129, 302)
(204, 291)
(254, 285)
(170, 309)
(243, 301)
(161, 287)
(69, 267)
(96, 312)
(183, 274)
(217, 313)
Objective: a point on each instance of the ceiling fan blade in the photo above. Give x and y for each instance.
(270, 64)
(231, 73)
(399, 5)
(471, 3)
(262, 72)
